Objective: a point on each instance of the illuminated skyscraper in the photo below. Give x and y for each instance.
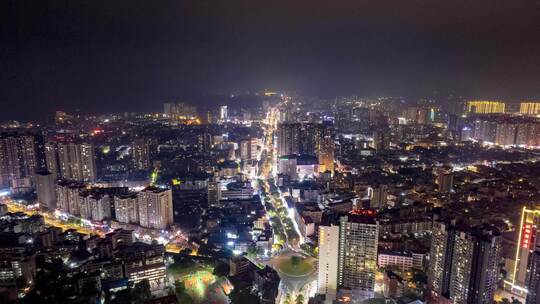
(532, 281)
(358, 239)
(325, 149)
(528, 230)
(464, 263)
(475, 265)
(288, 139)
(309, 139)
(529, 108)
(485, 107)
(327, 282)
(440, 259)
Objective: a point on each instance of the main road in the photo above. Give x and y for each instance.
(55, 220)
(281, 217)
(287, 236)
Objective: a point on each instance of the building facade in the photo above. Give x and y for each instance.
(155, 208)
(45, 189)
(475, 266)
(17, 158)
(141, 153)
(327, 282)
(126, 208)
(358, 241)
(485, 107)
(440, 259)
(529, 108)
(77, 161)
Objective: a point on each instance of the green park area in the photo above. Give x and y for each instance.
(295, 266)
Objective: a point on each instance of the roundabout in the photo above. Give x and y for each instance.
(298, 273)
(295, 266)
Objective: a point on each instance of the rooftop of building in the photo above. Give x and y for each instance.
(155, 189)
(362, 216)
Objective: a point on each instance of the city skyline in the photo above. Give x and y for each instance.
(270, 152)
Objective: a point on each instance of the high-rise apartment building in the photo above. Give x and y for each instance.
(359, 234)
(17, 157)
(77, 161)
(179, 110)
(445, 180)
(141, 153)
(464, 263)
(506, 134)
(126, 208)
(507, 130)
(381, 140)
(144, 262)
(528, 134)
(419, 115)
(309, 139)
(325, 150)
(155, 208)
(529, 108)
(532, 281)
(379, 197)
(288, 139)
(16, 265)
(214, 192)
(485, 130)
(51, 159)
(327, 282)
(485, 107)
(68, 196)
(204, 141)
(95, 206)
(475, 266)
(249, 149)
(525, 249)
(45, 189)
(121, 237)
(440, 258)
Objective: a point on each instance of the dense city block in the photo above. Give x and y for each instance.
(293, 199)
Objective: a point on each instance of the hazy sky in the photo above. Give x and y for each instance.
(134, 55)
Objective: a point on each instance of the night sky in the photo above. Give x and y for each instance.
(101, 56)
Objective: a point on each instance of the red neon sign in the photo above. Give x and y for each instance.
(528, 236)
(364, 212)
